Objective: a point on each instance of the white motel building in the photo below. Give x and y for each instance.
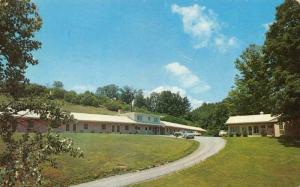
(128, 123)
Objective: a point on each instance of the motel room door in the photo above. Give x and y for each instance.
(249, 130)
(118, 128)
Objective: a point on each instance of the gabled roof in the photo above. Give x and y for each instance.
(113, 119)
(101, 118)
(176, 125)
(261, 118)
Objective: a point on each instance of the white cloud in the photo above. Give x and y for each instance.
(195, 103)
(202, 25)
(266, 26)
(201, 87)
(224, 43)
(186, 78)
(83, 88)
(173, 89)
(177, 69)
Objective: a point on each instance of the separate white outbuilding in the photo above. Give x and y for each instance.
(255, 125)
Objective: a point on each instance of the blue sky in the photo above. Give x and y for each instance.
(154, 45)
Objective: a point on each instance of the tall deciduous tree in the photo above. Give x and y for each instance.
(252, 90)
(211, 116)
(168, 103)
(139, 99)
(110, 91)
(21, 159)
(58, 84)
(127, 94)
(282, 52)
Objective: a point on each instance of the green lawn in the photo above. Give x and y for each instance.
(243, 162)
(108, 154)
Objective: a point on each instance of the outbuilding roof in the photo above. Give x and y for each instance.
(261, 118)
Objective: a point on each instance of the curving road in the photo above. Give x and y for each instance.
(208, 147)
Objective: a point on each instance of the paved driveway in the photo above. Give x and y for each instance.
(208, 147)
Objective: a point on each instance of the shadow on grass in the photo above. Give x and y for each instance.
(289, 141)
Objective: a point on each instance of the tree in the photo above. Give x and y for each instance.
(89, 99)
(139, 99)
(251, 92)
(110, 91)
(58, 84)
(127, 94)
(210, 116)
(152, 101)
(35, 90)
(71, 97)
(57, 93)
(168, 103)
(282, 54)
(21, 159)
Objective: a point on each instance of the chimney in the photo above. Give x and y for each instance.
(261, 113)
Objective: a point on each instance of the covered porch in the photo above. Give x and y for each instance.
(252, 129)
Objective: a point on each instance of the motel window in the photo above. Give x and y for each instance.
(138, 128)
(149, 118)
(270, 126)
(67, 127)
(263, 126)
(255, 129)
(244, 130)
(150, 128)
(86, 126)
(231, 129)
(135, 127)
(237, 129)
(30, 125)
(139, 118)
(156, 120)
(127, 127)
(103, 126)
(145, 128)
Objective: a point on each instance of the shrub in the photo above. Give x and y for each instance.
(263, 133)
(177, 134)
(230, 134)
(238, 134)
(111, 105)
(245, 134)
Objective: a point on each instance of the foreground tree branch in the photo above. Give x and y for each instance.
(23, 155)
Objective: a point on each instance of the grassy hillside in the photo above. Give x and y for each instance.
(87, 109)
(243, 162)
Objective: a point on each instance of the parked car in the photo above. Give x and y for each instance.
(222, 133)
(177, 134)
(197, 134)
(188, 135)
